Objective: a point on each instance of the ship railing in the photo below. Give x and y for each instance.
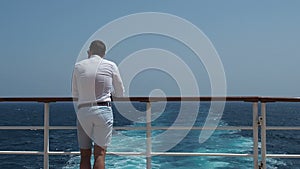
(259, 155)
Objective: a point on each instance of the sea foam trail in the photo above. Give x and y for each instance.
(221, 141)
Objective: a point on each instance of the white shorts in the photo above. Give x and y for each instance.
(94, 124)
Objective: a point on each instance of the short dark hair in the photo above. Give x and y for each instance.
(97, 47)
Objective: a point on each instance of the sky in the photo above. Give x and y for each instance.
(257, 42)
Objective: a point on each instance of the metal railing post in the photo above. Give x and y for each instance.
(148, 135)
(46, 135)
(255, 135)
(263, 136)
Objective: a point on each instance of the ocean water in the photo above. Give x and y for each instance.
(221, 141)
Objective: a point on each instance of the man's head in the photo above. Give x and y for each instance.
(97, 47)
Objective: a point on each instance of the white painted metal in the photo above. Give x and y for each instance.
(283, 155)
(152, 128)
(46, 135)
(263, 136)
(148, 135)
(153, 153)
(282, 128)
(23, 152)
(133, 153)
(204, 128)
(21, 127)
(255, 134)
(181, 128)
(62, 127)
(200, 154)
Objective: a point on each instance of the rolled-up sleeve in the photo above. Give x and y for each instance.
(118, 87)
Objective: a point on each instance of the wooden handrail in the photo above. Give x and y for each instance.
(153, 99)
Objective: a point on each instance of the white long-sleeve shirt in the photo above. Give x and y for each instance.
(95, 79)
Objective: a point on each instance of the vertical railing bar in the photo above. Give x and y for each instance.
(46, 135)
(255, 134)
(148, 135)
(263, 135)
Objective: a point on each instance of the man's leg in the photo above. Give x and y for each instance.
(99, 155)
(85, 144)
(85, 160)
(102, 135)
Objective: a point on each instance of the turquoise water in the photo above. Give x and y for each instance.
(217, 144)
(222, 141)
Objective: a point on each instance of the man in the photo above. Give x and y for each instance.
(94, 80)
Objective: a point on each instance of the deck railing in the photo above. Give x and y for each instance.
(258, 123)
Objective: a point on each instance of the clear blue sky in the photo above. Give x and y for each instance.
(258, 42)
